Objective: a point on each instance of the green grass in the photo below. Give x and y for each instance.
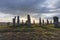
(33, 28)
(43, 30)
(38, 32)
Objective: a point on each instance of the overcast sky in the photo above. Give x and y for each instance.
(36, 8)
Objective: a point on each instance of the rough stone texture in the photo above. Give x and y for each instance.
(28, 20)
(13, 21)
(56, 22)
(40, 21)
(18, 21)
(43, 21)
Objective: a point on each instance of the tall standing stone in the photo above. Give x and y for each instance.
(56, 21)
(28, 20)
(18, 21)
(15, 18)
(43, 21)
(40, 21)
(13, 21)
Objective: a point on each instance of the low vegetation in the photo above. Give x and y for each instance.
(35, 32)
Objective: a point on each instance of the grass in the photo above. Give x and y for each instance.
(33, 28)
(35, 32)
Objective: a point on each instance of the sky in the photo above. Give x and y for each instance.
(35, 8)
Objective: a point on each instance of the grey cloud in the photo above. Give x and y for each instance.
(12, 6)
(23, 7)
(57, 4)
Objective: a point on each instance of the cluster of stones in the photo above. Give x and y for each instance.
(14, 21)
(28, 22)
(43, 21)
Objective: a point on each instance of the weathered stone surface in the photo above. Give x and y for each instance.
(56, 21)
(28, 20)
(43, 21)
(40, 20)
(18, 21)
(13, 21)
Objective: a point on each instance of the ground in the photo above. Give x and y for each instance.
(35, 32)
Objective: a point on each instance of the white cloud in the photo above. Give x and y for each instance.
(50, 3)
(47, 15)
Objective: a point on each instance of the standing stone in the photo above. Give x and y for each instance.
(28, 20)
(13, 21)
(40, 21)
(43, 21)
(15, 17)
(56, 22)
(18, 21)
(47, 21)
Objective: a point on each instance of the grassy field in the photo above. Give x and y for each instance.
(25, 28)
(35, 32)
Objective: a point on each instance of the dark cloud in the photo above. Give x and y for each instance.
(20, 6)
(23, 7)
